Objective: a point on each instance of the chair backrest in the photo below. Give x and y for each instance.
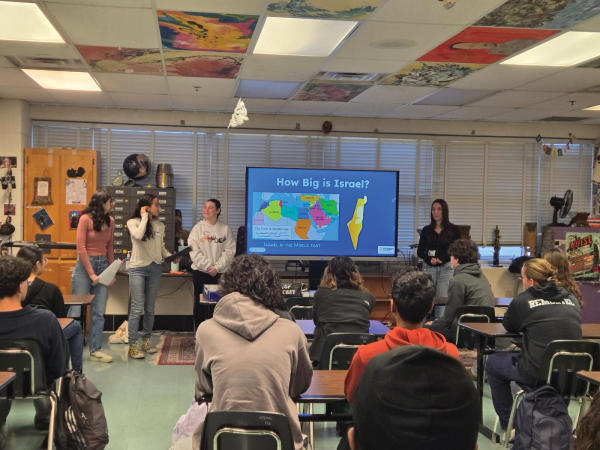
(224, 430)
(339, 349)
(562, 360)
(473, 314)
(300, 307)
(25, 359)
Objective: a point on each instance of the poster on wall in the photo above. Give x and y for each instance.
(76, 192)
(8, 162)
(42, 191)
(583, 253)
(74, 219)
(43, 219)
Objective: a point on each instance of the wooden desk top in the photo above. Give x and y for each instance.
(64, 322)
(589, 330)
(81, 299)
(592, 377)
(326, 384)
(7, 377)
(499, 301)
(375, 327)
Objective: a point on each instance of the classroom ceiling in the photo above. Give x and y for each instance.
(426, 60)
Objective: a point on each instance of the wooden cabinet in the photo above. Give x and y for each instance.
(54, 163)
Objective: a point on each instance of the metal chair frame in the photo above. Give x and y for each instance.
(241, 431)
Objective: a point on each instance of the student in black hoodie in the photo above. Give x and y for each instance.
(545, 312)
(48, 296)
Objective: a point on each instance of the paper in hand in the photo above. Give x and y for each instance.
(110, 272)
(180, 254)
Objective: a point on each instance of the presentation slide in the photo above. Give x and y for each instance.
(321, 213)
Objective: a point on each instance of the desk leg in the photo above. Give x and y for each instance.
(83, 318)
(481, 342)
(311, 427)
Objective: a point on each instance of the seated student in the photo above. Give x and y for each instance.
(342, 303)
(558, 259)
(414, 397)
(248, 357)
(469, 286)
(588, 429)
(29, 322)
(48, 296)
(543, 313)
(412, 295)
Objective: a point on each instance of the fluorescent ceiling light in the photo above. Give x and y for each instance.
(301, 37)
(566, 50)
(67, 81)
(592, 108)
(26, 22)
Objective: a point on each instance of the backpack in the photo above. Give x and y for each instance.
(542, 422)
(80, 421)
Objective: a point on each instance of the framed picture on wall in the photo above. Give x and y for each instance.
(42, 191)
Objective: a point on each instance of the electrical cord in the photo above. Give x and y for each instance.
(171, 293)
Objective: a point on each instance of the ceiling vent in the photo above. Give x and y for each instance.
(350, 77)
(563, 119)
(40, 62)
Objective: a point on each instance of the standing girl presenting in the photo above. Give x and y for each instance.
(433, 246)
(94, 254)
(213, 249)
(147, 237)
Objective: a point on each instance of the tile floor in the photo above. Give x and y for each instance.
(143, 402)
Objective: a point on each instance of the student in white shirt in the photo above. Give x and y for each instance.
(213, 248)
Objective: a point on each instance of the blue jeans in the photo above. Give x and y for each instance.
(143, 288)
(441, 275)
(74, 337)
(81, 284)
(502, 368)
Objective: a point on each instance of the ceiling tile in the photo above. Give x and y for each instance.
(373, 40)
(259, 105)
(313, 108)
(330, 92)
(582, 113)
(82, 98)
(454, 97)
(207, 87)
(323, 9)
(266, 89)
(419, 111)
(106, 26)
(254, 7)
(37, 49)
(573, 79)
(432, 74)
(590, 121)
(504, 77)
(401, 95)
(184, 63)
(200, 103)
(139, 84)
(472, 113)
(409, 11)
(582, 100)
(149, 101)
(280, 68)
(16, 78)
(31, 95)
(117, 3)
(122, 60)
(592, 24)
(365, 109)
(516, 99)
(524, 115)
(5, 63)
(362, 65)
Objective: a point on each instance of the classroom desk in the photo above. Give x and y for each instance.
(6, 379)
(486, 331)
(376, 328)
(499, 301)
(592, 377)
(64, 322)
(82, 300)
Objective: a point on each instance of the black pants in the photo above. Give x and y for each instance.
(202, 312)
(443, 330)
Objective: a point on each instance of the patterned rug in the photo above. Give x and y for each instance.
(178, 351)
(467, 357)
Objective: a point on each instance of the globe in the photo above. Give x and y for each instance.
(137, 166)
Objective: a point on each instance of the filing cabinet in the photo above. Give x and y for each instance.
(126, 199)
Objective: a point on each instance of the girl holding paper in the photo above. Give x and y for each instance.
(148, 239)
(94, 254)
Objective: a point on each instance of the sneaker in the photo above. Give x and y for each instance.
(512, 436)
(134, 352)
(100, 357)
(147, 347)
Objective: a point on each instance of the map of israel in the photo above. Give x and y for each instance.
(313, 217)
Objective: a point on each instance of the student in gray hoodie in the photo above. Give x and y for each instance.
(469, 286)
(248, 357)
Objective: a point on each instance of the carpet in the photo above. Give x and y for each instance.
(467, 357)
(178, 351)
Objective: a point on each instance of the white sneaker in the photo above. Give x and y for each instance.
(100, 356)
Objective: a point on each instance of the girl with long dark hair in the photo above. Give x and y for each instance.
(433, 247)
(558, 259)
(94, 254)
(148, 239)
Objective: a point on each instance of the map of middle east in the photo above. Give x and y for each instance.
(313, 217)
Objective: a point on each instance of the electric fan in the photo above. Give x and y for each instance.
(561, 206)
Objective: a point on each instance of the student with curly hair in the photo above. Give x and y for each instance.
(588, 430)
(248, 357)
(342, 303)
(560, 262)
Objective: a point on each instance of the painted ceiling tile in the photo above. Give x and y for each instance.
(435, 74)
(202, 64)
(122, 60)
(330, 92)
(324, 9)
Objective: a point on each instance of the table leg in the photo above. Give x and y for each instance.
(83, 318)
(311, 427)
(481, 342)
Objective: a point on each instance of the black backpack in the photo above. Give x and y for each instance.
(80, 420)
(542, 422)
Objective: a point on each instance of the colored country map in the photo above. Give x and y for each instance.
(356, 223)
(295, 216)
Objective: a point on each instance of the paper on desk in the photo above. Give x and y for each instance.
(110, 272)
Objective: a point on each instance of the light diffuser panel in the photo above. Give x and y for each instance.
(26, 22)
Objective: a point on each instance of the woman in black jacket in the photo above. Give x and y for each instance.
(433, 247)
(48, 296)
(342, 303)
